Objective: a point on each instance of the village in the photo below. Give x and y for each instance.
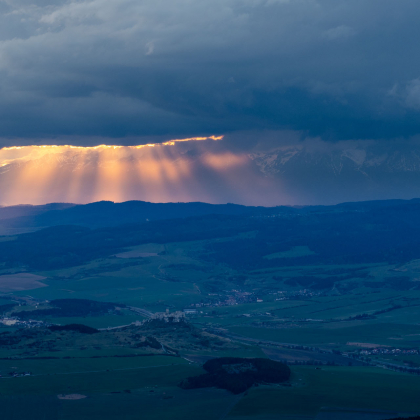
(388, 351)
(16, 322)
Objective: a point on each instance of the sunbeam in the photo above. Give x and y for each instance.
(192, 169)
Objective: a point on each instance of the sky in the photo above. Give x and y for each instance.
(134, 72)
(178, 171)
(314, 101)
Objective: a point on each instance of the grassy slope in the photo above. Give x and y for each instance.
(356, 388)
(106, 399)
(385, 334)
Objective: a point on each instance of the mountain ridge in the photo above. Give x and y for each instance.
(109, 214)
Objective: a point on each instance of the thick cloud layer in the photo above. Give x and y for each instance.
(124, 69)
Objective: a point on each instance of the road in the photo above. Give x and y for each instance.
(141, 311)
(380, 364)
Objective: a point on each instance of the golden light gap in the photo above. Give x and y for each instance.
(179, 170)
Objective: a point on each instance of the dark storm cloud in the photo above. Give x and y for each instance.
(337, 69)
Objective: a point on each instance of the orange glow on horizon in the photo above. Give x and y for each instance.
(178, 170)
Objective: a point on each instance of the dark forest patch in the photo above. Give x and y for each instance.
(149, 342)
(83, 329)
(6, 308)
(238, 374)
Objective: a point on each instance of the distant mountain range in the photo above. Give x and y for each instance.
(241, 237)
(344, 172)
(27, 218)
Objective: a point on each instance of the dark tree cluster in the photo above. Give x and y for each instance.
(406, 418)
(6, 308)
(8, 339)
(83, 329)
(238, 374)
(149, 342)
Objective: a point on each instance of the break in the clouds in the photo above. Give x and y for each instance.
(297, 172)
(337, 69)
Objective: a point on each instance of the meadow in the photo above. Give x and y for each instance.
(108, 388)
(353, 388)
(114, 387)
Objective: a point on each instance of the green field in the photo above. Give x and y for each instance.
(380, 334)
(351, 388)
(114, 388)
(296, 251)
(125, 387)
(92, 375)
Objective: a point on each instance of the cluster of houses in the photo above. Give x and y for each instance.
(237, 297)
(18, 374)
(297, 294)
(167, 316)
(387, 350)
(233, 297)
(16, 322)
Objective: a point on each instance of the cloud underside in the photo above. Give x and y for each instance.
(124, 69)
